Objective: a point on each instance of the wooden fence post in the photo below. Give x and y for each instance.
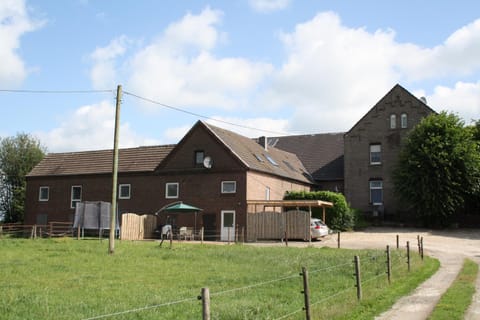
(286, 238)
(201, 235)
(306, 293)
(398, 240)
(51, 229)
(205, 297)
(421, 247)
(338, 239)
(171, 238)
(358, 278)
(408, 255)
(389, 265)
(418, 243)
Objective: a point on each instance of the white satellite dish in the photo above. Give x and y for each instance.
(207, 162)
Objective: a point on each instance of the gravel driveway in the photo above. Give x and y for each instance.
(450, 247)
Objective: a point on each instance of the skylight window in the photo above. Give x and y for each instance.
(259, 158)
(270, 159)
(289, 165)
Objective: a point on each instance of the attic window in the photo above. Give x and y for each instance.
(259, 158)
(271, 160)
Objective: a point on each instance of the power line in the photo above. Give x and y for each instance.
(201, 116)
(57, 91)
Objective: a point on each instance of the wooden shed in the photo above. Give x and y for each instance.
(280, 219)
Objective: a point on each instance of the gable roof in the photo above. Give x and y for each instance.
(271, 161)
(397, 89)
(141, 159)
(321, 154)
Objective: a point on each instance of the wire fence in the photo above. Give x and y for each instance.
(344, 281)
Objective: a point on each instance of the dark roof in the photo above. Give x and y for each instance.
(321, 154)
(141, 159)
(255, 157)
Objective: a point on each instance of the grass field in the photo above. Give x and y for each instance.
(76, 279)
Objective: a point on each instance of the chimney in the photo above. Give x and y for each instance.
(263, 141)
(424, 100)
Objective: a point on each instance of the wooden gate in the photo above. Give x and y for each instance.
(135, 227)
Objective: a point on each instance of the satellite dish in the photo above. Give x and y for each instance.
(207, 162)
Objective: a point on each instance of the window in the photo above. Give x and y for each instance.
(43, 193)
(124, 191)
(199, 156)
(375, 154)
(270, 159)
(267, 193)
(403, 121)
(229, 186)
(76, 196)
(376, 192)
(171, 190)
(393, 121)
(259, 158)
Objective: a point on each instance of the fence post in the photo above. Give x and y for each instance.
(389, 265)
(201, 235)
(205, 297)
(398, 240)
(358, 278)
(418, 244)
(51, 229)
(286, 238)
(338, 240)
(306, 293)
(243, 234)
(421, 247)
(408, 255)
(171, 237)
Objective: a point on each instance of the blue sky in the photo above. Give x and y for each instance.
(282, 66)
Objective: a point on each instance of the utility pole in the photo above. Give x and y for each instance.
(113, 212)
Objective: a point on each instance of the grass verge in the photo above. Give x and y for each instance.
(76, 279)
(455, 301)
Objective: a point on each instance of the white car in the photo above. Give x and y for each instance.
(318, 229)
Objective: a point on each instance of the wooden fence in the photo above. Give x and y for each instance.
(136, 227)
(294, 224)
(52, 229)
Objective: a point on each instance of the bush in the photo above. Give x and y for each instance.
(340, 217)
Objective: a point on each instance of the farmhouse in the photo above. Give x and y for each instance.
(221, 171)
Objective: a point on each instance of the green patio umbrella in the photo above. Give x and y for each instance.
(181, 207)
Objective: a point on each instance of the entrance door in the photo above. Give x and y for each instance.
(209, 226)
(228, 225)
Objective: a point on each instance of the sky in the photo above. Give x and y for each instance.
(256, 67)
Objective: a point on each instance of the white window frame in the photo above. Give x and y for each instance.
(229, 190)
(404, 121)
(169, 184)
(73, 200)
(197, 156)
(374, 146)
(40, 193)
(393, 121)
(124, 185)
(378, 187)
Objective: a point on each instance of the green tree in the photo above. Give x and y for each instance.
(340, 217)
(18, 156)
(438, 168)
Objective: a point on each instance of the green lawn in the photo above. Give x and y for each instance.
(457, 298)
(76, 279)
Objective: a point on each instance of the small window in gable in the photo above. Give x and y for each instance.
(124, 191)
(199, 157)
(393, 121)
(43, 194)
(171, 190)
(229, 186)
(404, 121)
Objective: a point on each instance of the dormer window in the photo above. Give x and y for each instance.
(393, 121)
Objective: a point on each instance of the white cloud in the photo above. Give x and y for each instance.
(103, 73)
(268, 5)
(14, 22)
(180, 69)
(91, 127)
(463, 99)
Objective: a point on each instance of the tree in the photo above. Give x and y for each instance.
(340, 217)
(438, 168)
(18, 156)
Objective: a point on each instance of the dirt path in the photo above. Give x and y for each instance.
(450, 247)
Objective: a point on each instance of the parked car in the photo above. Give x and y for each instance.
(318, 228)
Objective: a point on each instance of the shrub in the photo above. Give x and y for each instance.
(340, 217)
